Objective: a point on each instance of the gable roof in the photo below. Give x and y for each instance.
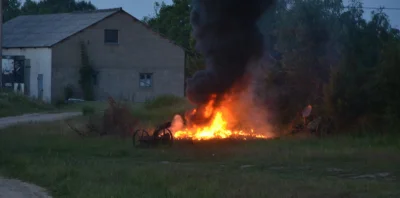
(49, 29)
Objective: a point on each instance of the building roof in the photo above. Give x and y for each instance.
(49, 29)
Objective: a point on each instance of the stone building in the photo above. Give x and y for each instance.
(131, 61)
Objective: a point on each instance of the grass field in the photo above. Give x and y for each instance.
(52, 156)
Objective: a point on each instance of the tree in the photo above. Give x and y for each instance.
(14, 8)
(55, 6)
(304, 32)
(173, 22)
(335, 60)
(11, 9)
(30, 7)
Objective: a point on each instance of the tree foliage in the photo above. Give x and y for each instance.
(15, 8)
(338, 62)
(173, 21)
(11, 9)
(87, 74)
(329, 56)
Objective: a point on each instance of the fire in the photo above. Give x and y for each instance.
(216, 130)
(219, 127)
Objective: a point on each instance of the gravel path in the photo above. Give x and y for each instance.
(12, 188)
(38, 117)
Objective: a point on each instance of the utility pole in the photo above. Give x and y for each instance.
(1, 43)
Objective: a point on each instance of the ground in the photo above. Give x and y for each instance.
(66, 165)
(12, 188)
(55, 158)
(37, 117)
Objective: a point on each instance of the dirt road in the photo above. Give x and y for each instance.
(32, 118)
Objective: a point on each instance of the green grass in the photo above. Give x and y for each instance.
(159, 110)
(149, 113)
(96, 105)
(12, 104)
(52, 156)
(163, 101)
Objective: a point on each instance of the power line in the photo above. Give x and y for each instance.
(383, 8)
(374, 8)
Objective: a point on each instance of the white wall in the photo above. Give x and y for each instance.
(40, 61)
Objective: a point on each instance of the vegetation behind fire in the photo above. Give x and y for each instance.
(325, 54)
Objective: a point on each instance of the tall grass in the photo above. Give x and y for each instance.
(12, 104)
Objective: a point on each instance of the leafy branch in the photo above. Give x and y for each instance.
(87, 74)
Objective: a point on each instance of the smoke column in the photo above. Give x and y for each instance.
(227, 34)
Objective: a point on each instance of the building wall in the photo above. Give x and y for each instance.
(40, 62)
(139, 50)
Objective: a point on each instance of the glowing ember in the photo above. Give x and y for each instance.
(216, 130)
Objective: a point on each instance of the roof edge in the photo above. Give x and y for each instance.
(116, 10)
(113, 12)
(24, 47)
(96, 11)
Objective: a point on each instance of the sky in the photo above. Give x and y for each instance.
(137, 8)
(141, 8)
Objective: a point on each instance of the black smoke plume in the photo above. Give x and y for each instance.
(227, 34)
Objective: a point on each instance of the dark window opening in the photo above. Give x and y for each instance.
(145, 80)
(111, 36)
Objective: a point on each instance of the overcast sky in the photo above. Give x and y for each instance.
(141, 8)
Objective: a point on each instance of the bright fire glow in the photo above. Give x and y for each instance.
(216, 130)
(232, 119)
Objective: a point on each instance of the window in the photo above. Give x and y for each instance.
(145, 80)
(110, 36)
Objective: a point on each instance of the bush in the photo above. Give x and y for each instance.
(164, 101)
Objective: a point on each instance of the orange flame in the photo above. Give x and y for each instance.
(209, 109)
(216, 130)
(220, 125)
